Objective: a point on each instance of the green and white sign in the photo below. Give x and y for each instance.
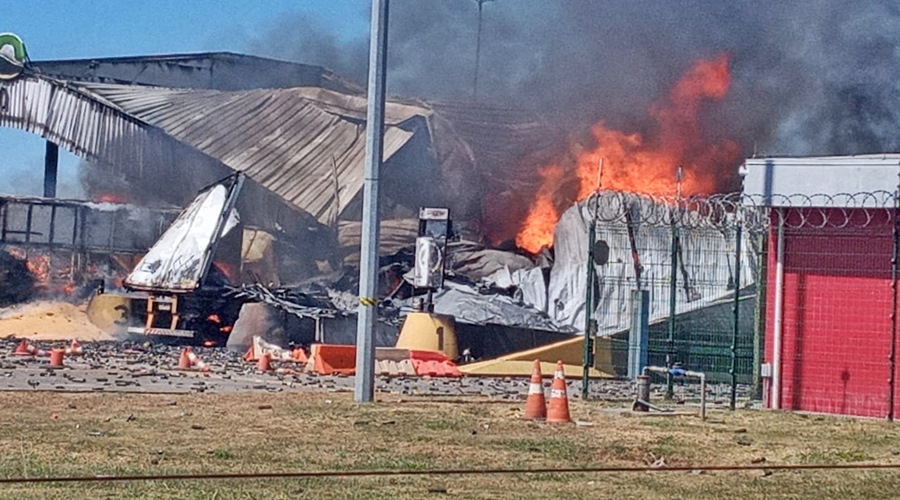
(13, 56)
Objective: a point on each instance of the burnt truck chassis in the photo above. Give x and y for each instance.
(203, 317)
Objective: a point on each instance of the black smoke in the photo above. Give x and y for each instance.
(815, 77)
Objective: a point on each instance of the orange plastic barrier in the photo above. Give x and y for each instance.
(330, 359)
(433, 364)
(299, 355)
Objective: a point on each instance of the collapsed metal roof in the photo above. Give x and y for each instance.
(297, 131)
(207, 70)
(307, 145)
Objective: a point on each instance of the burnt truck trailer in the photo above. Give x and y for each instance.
(178, 290)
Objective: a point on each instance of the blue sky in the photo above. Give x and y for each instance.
(104, 28)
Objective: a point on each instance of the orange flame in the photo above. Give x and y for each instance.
(39, 267)
(639, 164)
(110, 198)
(537, 230)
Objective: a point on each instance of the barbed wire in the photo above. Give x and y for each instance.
(750, 212)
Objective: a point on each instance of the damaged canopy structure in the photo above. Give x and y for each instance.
(294, 129)
(159, 128)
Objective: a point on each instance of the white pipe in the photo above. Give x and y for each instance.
(686, 373)
(702, 377)
(779, 315)
(657, 369)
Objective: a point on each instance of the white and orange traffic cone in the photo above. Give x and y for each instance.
(197, 362)
(35, 351)
(74, 349)
(558, 411)
(184, 361)
(535, 404)
(250, 355)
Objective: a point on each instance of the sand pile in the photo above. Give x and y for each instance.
(49, 320)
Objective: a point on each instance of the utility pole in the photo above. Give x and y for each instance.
(478, 50)
(364, 388)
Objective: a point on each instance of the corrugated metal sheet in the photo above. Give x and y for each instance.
(210, 70)
(394, 234)
(309, 152)
(495, 135)
(67, 116)
(306, 144)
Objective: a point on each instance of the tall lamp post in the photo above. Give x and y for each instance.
(478, 49)
(364, 387)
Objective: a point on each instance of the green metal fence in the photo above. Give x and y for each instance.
(698, 260)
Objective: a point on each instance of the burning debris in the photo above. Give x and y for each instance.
(284, 251)
(17, 283)
(642, 163)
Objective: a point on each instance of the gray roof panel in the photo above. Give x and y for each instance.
(291, 141)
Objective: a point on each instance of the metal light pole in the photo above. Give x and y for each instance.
(478, 50)
(364, 388)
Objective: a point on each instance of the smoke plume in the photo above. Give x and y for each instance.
(818, 77)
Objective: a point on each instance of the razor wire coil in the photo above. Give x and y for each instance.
(752, 212)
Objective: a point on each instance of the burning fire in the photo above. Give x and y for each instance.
(537, 230)
(642, 164)
(39, 267)
(110, 198)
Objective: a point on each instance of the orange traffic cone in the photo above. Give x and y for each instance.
(56, 358)
(264, 363)
(22, 349)
(535, 404)
(299, 355)
(558, 411)
(184, 362)
(250, 355)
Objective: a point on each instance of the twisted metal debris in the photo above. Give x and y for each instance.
(297, 303)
